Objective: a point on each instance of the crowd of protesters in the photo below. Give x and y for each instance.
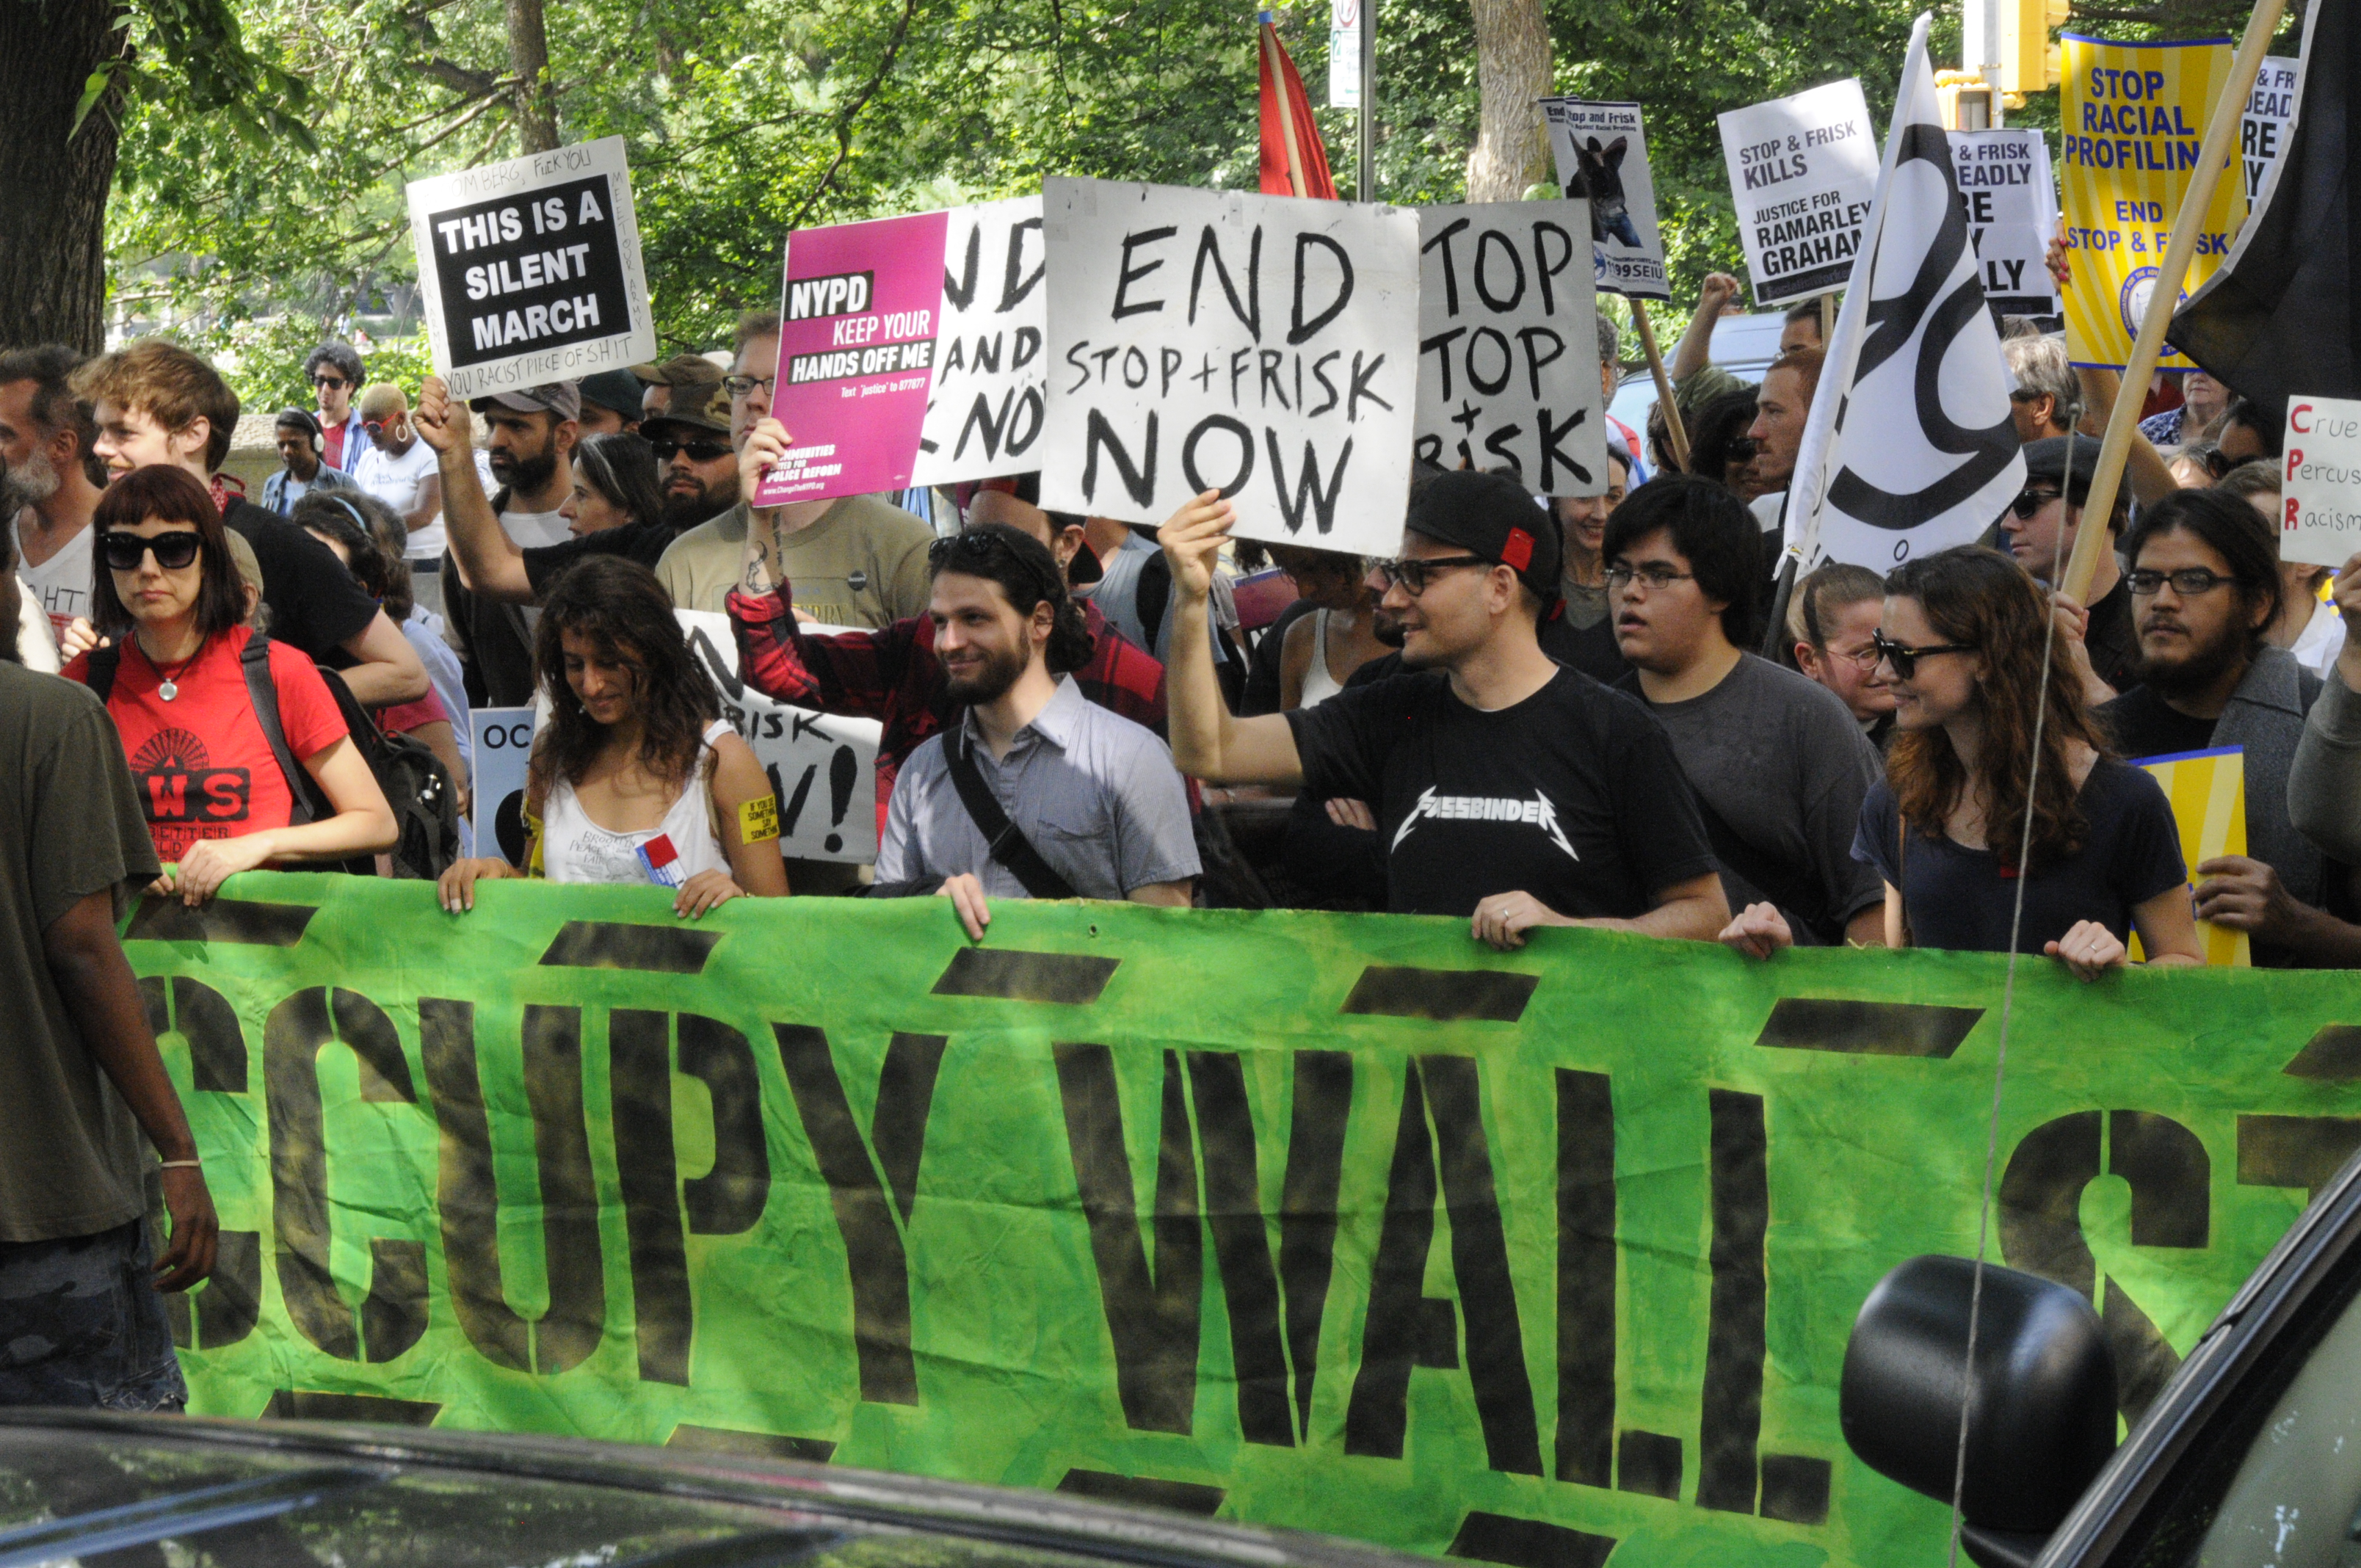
(1543, 711)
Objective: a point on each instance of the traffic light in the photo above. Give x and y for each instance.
(2028, 57)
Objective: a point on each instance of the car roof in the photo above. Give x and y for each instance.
(87, 1482)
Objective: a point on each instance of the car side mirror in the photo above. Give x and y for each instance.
(2040, 1398)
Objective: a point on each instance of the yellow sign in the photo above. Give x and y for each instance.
(758, 819)
(2132, 118)
(2208, 792)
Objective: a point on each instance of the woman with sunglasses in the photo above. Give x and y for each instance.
(218, 799)
(636, 778)
(1961, 645)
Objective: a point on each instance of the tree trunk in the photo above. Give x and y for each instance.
(536, 105)
(53, 192)
(1512, 70)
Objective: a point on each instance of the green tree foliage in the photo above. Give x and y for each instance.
(748, 119)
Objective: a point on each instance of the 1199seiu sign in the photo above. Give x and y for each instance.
(532, 268)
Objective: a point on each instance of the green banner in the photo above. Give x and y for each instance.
(1337, 1222)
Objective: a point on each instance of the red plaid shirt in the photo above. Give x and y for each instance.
(891, 675)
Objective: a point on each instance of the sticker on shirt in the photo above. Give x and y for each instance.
(661, 861)
(1537, 812)
(857, 581)
(179, 789)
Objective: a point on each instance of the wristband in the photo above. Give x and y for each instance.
(183, 1165)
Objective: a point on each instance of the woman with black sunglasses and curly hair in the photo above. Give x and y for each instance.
(220, 789)
(635, 777)
(1961, 644)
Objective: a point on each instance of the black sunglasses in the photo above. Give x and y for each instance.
(330, 381)
(1905, 659)
(174, 551)
(2030, 501)
(699, 451)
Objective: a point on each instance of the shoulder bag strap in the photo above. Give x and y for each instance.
(263, 693)
(99, 675)
(1005, 843)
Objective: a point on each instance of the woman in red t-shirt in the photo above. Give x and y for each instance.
(168, 594)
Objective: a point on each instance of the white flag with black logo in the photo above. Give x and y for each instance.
(1909, 447)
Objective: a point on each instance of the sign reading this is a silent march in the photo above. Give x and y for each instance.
(1265, 346)
(531, 269)
(1803, 171)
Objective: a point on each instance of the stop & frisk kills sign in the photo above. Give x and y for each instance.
(531, 269)
(1265, 346)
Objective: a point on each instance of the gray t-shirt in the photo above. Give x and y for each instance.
(1097, 794)
(1779, 759)
(1117, 594)
(69, 826)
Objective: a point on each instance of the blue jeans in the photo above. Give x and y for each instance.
(82, 1324)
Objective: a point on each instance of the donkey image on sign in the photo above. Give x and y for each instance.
(1599, 180)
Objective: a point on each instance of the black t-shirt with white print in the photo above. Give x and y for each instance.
(1573, 796)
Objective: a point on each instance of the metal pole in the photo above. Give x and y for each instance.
(1368, 114)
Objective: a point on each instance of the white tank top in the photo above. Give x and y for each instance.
(1318, 683)
(575, 849)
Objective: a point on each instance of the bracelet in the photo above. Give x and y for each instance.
(183, 1165)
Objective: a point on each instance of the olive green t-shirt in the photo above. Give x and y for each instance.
(69, 826)
(863, 563)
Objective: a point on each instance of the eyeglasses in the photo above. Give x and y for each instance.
(2189, 581)
(739, 386)
(1655, 574)
(699, 451)
(333, 383)
(1742, 450)
(175, 552)
(1905, 659)
(2030, 501)
(1864, 659)
(1414, 576)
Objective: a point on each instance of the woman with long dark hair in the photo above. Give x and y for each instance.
(1960, 644)
(635, 777)
(221, 798)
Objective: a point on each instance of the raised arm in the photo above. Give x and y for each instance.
(1206, 740)
(491, 563)
(1694, 349)
(2144, 469)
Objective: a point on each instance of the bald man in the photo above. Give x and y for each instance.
(400, 469)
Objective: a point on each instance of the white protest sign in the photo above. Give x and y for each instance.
(1803, 172)
(1507, 366)
(2012, 216)
(1345, 20)
(530, 269)
(502, 740)
(823, 769)
(1265, 346)
(2320, 516)
(984, 409)
(1602, 159)
(2263, 127)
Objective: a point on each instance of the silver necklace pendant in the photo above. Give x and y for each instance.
(168, 691)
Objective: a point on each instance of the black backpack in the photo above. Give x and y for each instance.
(416, 785)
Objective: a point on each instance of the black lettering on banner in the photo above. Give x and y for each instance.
(1151, 1317)
(1484, 244)
(897, 1127)
(1867, 1028)
(1140, 481)
(292, 1037)
(1497, 997)
(1648, 1463)
(1143, 1491)
(1307, 1212)
(1126, 275)
(619, 944)
(2041, 1227)
(225, 1309)
(1732, 1396)
(1233, 1213)
(1528, 1543)
(730, 1197)
(1586, 1277)
(1299, 329)
(1012, 974)
(1198, 484)
(2294, 1151)
(1307, 495)
(2333, 1056)
(1399, 1320)
(1249, 313)
(638, 1074)
(755, 1445)
(220, 920)
(876, 1260)
(304, 1405)
(959, 292)
(467, 1194)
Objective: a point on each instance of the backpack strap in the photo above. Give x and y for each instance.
(263, 693)
(1153, 596)
(100, 676)
(1002, 841)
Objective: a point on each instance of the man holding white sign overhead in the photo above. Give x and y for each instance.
(1507, 789)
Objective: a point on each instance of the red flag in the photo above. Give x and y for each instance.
(1294, 163)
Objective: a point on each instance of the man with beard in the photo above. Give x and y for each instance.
(48, 494)
(484, 575)
(854, 561)
(1512, 792)
(2204, 584)
(1036, 791)
(1781, 408)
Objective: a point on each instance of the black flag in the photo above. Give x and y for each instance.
(2277, 317)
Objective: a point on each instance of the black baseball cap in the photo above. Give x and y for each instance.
(1493, 516)
(2046, 459)
(619, 392)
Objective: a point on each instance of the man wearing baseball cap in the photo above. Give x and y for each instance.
(690, 370)
(697, 467)
(1508, 789)
(531, 451)
(2040, 528)
(611, 402)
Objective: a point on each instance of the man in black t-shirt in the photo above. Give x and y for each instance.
(1506, 788)
(158, 403)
